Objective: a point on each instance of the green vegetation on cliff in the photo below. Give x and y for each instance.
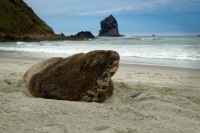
(16, 18)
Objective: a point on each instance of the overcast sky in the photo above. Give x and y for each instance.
(135, 17)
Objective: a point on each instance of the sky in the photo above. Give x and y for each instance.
(134, 17)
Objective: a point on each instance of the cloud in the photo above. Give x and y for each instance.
(183, 5)
(95, 7)
(106, 11)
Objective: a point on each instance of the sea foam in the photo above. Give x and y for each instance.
(131, 48)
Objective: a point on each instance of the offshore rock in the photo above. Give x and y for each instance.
(83, 35)
(109, 27)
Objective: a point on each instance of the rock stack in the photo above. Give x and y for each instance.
(109, 27)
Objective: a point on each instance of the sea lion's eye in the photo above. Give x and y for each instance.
(112, 73)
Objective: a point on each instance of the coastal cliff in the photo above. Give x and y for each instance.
(18, 19)
(18, 22)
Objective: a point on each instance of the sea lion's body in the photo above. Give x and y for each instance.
(81, 77)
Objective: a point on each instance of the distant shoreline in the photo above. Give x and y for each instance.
(84, 36)
(80, 36)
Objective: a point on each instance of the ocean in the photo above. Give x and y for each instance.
(175, 51)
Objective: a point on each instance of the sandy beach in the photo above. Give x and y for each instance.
(169, 102)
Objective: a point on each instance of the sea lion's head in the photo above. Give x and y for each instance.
(104, 64)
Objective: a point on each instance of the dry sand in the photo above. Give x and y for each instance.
(169, 103)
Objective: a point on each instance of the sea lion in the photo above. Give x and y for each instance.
(80, 77)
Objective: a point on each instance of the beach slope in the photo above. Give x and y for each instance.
(169, 102)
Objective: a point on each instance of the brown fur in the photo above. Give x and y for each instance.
(82, 76)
